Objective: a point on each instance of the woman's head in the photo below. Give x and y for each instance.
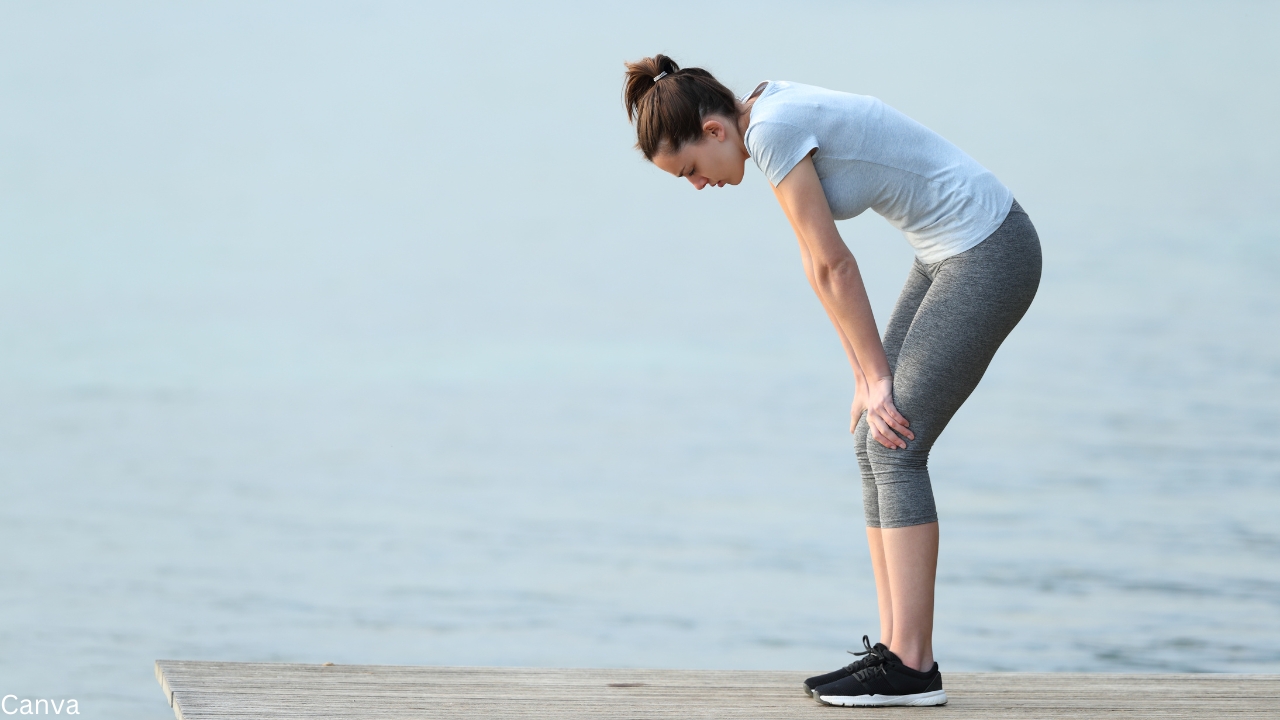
(686, 121)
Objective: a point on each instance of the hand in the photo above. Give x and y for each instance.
(886, 423)
(859, 407)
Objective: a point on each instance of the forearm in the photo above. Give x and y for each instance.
(834, 274)
(858, 376)
(843, 294)
(832, 269)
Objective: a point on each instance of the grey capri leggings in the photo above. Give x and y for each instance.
(948, 322)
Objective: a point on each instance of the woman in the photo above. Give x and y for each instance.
(830, 156)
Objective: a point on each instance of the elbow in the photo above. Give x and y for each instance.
(834, 274)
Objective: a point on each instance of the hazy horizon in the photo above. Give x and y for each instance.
(362, 334)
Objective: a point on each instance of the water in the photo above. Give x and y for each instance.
(351, 334)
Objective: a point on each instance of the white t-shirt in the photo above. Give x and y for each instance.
(872, 156)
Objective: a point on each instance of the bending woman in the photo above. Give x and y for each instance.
(830, 156)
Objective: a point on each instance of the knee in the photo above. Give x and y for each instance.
(889, 460)
(860, 438)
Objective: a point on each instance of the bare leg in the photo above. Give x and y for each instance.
(883, 597)
(911, 560)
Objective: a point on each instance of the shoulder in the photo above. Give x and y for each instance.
(777, 146)
(767, 133)
(777, 113)
(808, 106)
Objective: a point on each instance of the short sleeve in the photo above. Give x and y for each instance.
(778, 147)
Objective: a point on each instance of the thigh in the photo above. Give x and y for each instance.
(904, 311)
(914, 291)
(974, 301)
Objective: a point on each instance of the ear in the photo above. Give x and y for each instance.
(713, 128)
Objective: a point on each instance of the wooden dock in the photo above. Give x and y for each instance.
(200, 690)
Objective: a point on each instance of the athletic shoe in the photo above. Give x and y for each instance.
(870, 657)
(887, 682)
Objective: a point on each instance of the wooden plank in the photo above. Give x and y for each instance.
(215, 690)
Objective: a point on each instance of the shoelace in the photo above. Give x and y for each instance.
(876, 658)
(879, 668)
(866, 672)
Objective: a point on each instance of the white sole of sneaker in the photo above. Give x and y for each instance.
(937, 697)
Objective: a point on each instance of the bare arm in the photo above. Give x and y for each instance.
(807, 260)
(833, 273)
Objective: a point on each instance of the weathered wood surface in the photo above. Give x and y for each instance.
(200, 690)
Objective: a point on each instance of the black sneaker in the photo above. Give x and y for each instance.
(871, 657)
(887, 682)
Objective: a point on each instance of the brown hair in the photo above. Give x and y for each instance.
(672, 109)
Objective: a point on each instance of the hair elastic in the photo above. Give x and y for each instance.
(660, 76)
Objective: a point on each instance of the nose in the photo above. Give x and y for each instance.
(698, 182)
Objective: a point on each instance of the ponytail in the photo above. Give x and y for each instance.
(667, 104)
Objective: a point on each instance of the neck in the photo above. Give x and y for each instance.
(744, 115)
(744, 121)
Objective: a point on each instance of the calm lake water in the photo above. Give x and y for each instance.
(362, 335)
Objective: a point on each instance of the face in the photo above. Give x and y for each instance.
(718, 159)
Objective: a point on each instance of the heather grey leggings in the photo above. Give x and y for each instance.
(945, 328)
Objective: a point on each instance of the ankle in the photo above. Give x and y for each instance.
(918, 659)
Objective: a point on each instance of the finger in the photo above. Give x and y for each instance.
(897, 422)
(893, 410)
(880, 438)
(897, 427)
(888, 441)
(883, 435)
(876, 419)
(887, 429)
